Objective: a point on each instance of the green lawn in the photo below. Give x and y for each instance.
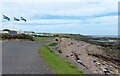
(58, 64)
(43, 39)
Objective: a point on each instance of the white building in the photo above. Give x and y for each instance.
(44, 34)
(20, 32)
(29, 32)
(1, 31)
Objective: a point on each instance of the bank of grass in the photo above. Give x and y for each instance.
(58, 64)
(43, 39)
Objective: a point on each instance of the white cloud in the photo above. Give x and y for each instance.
(93, 25)
(52, 21)
(30, 9)
(101, 25)
(60, 0)
(104, 19)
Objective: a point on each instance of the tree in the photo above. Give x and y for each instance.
(6, 30)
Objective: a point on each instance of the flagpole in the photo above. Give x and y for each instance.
(8, 19)
(13, 24)
(9, 23)
(18, 28)
(2, 22)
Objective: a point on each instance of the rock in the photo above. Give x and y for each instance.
(67, 56)
(56, 40)
(79, 61)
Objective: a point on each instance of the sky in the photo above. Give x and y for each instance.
(97, 17)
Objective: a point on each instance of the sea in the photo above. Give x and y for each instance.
(112, 36)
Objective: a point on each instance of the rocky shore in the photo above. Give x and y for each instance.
(85, 56)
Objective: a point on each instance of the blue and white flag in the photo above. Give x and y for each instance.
(16, 19)
(23, 19)
(5, 17)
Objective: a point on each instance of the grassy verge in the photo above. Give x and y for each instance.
(58, 64)
(43, 39)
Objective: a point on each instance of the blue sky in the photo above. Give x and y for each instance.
(85, 17)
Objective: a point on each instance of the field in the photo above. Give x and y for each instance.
(43, 39)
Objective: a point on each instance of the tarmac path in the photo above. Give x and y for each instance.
(22, 57)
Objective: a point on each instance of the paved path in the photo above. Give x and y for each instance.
(23, 58)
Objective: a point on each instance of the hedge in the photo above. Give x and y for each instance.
(16, 36)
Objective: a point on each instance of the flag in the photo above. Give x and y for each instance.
(23, 19)
(5, 17)
(16, 19)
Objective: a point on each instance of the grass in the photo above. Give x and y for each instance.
(53, 44)
(58, 64)
(43, 39)
(103, 48)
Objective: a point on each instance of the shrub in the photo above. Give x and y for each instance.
(17, 36)
(60, 51)
(30, 37)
